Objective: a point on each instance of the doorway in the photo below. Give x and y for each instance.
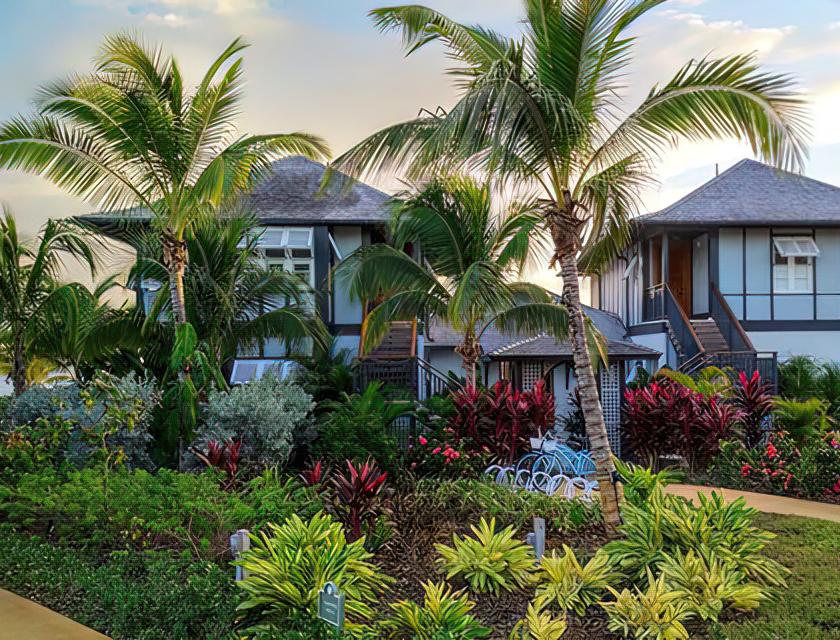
(679, 271)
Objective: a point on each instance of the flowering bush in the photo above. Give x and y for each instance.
(436, 455)
(782, 467)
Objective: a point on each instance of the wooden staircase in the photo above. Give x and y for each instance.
(710, 336)
(399, 343)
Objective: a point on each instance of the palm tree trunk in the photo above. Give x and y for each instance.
(470, 351)
(596, 429)
(18, 372)
(175, 260)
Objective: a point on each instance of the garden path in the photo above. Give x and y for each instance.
(765, 503)
(21, 618)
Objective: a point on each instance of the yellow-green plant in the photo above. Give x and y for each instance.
(444, 614)
(490, 561)
(562, 579)
(538, 624)
(655, 614)
(288, 565)
(710, 585)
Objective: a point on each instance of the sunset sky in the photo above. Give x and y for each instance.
(320, 66)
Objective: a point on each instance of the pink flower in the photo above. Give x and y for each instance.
(436, 451)
(771, 450)
(422, 441)
(745, 470)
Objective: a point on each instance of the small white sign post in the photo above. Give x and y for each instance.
(537, 538)
(331, 607)
(240, 542)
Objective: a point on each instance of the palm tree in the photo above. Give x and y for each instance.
(545, 109)
(30, 290)
(131, 135)
(232, 299)
(466, 277)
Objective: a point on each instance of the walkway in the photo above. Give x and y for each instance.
(22, 619)
(765, 503)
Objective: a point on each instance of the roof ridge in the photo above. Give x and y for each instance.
(519, 343)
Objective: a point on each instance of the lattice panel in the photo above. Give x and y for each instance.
(531, 374)
(611, 405)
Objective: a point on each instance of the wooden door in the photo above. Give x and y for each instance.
(679, 272)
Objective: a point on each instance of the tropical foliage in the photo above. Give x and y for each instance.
(466, 275)
(545, 108)
(444, 614)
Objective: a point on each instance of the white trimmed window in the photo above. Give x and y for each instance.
(290, 249)
(793, 264)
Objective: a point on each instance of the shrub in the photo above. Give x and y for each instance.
(265, 415)
(469, 500)
(357, 495)
(657, 613)
(710, 585)
(152, 596)
(148, 510)
(289, 564)
(444, 614)
(489, 562)
(562, 579)
(356, 428)
(798, 377)
(538, 625)
(640, 482)
(108, 412)
(803, 420)
(754, 401)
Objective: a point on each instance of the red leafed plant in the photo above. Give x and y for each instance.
(222, 456)
(542, 406)
(314, 475)
(357, 494)
(470, 405)
(701, 437)
(754, 400)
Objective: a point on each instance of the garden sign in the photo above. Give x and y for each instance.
(331, 606)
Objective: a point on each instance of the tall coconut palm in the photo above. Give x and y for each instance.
(232, 299)
(546, 108)
(132, 135)
(30, 290)
(471, 257)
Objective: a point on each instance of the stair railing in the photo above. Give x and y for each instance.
(728, 323)
(660, 304)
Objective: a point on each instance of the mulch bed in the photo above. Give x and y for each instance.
(409, 557)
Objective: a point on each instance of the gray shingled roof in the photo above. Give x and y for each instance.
(499, 345)
(751, 192)
(291, 196)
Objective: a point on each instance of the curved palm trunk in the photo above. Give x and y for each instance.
(596, 429)
(470, 352)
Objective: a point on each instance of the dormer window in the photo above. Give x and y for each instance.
(793, 264)
(290, 249)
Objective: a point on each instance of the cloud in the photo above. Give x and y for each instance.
(169, 19)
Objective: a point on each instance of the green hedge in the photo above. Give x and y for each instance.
(128, 595)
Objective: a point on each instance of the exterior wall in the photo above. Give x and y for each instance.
(445, 360)
(611, 288)
(620, 288)
(347, 342)
(563, 391)
(661, 343)
(700, 274)
(746, 276)
(824, 345)
(346, 311)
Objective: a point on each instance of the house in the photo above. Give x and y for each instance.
(307, 232)
(740, 272)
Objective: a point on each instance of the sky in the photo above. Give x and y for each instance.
(321, 66)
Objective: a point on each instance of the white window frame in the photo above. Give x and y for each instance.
(790, 248)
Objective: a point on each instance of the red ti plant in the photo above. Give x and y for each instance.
(357, 494)
(224, 457)
(702, 436)
(518, 407)
(654, 417)
(469, 404)
(314, 474)
(542, 406)
(754, 400)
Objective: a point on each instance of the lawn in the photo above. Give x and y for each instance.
(810, 608)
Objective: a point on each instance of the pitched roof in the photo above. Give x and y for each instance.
(291, 195)
(498, 344)
(754, 193)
